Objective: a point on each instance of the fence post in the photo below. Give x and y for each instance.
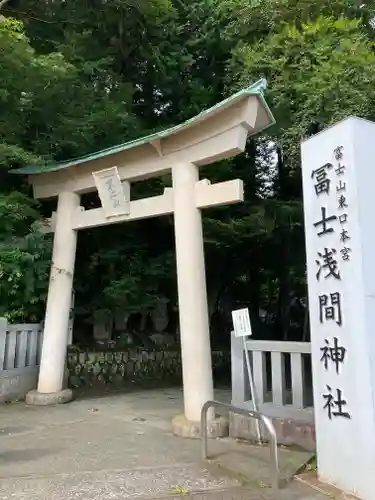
(3, 335)
(238, 371)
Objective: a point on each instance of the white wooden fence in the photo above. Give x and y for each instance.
(20, 348)
(282, 378)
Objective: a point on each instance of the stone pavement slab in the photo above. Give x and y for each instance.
(113, 484)
(121, 446)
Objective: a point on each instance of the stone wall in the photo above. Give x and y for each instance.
(120, 367)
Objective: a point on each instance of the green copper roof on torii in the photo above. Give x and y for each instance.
(254, 89)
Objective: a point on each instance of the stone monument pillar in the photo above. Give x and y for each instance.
(339, 205)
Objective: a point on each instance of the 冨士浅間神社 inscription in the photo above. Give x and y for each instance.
(334, 353)
(328, 266)
(322, 181)
(335, 403)
(323, 223)
(330, 307)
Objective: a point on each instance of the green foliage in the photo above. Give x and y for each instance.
(253, 20)
(49, 109)
(78, 76)
(321, 72)
(134, 287)
(24, 259)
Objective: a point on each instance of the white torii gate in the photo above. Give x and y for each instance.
(215, 134)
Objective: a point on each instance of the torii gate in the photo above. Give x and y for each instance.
(215, 134)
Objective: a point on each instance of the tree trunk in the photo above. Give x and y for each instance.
(306, 325)
(283, 274)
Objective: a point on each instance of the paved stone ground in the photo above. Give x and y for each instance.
(120, 446)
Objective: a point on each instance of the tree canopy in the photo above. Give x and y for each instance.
(79, 76)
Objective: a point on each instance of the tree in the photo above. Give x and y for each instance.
(104, 72)
(49, 109)
(319, 72)
(254, 20)
(155, 49)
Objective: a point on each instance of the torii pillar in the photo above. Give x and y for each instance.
(218, 133)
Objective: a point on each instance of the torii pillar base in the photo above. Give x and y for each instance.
(216, 428)
(49, 399)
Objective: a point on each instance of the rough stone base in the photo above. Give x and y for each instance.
(219, 427)
(289, 432)
(55, 398)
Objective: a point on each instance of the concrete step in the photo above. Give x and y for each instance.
(250, 464)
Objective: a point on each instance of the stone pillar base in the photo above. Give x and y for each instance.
(54, 398)
(219, 427)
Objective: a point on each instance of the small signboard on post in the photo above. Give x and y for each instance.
(114, 198)
(242, 328)
(241, 323)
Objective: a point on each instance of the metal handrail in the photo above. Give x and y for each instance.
(246, 413)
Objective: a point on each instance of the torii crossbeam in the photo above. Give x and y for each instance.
(215, 134)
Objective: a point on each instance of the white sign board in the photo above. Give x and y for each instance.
(114, 199)
(241, 322)
(339, 206)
